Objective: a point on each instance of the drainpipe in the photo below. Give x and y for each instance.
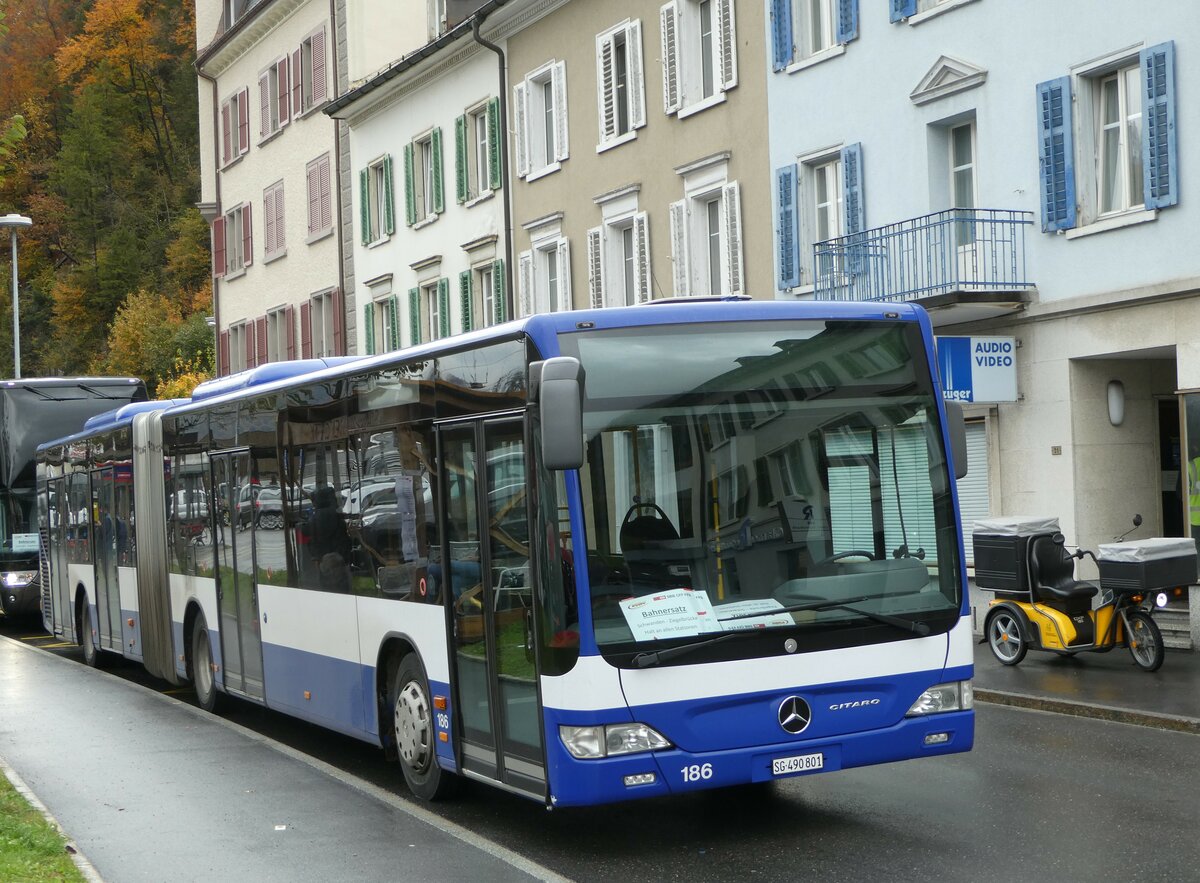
(337, 177)
(505, 181)
(216, 282)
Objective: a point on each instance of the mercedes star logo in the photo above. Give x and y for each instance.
(794, 715)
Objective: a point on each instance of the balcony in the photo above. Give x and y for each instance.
(963, 265)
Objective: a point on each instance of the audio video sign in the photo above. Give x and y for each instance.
(978, 369)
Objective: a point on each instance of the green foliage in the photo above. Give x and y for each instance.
(30, 849)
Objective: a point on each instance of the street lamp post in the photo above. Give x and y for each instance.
(14, 222)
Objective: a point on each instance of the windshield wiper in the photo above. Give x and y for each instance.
(907, 625)
(654, 657)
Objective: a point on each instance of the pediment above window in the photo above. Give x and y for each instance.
(948, 76)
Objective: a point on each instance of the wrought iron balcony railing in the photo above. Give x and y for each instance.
(958, 250)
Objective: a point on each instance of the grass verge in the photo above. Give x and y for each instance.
(31, 849)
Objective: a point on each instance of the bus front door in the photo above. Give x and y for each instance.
(486, 557)
(237, 594)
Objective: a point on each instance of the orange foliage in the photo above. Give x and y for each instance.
(116, 38)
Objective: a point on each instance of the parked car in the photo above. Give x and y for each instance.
(264, 505)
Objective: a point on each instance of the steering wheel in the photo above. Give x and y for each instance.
(849, 553)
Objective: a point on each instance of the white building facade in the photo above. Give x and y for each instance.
(1024, 170)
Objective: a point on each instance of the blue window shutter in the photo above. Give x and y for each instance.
(781, 32)
(902, 9)
(789, 266)
(847, 27)
(1159, 157)
(852, 187)
(1056, 154)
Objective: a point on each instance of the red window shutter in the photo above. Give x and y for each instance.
(218, 247)
(260, 338)
(244, 122)
(264, 106)
(248, 331)
(289, 316)
(314, 199)
(297, 83)
(306, 347)
(284, 92)
(269, 222)
(326, 203)
(280, 229)
(223, 354)
(247, 237)
(318, 67)
(339, 323)
(226, 135)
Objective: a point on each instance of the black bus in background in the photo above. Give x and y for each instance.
(34, 411)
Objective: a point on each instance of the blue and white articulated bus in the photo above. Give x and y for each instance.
(586, 557)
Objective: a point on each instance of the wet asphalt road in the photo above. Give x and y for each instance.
(1042, 797)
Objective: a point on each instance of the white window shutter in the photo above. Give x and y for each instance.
(641, 256)
(679, 248)
(525, 282)
(269, 221)
(521, 129)
(727, 44)
(735, 284)
(565, 301)
(606, 98)
(595, 249)
(559, 77)
(637, 79)
(264, 107)
(669, 28)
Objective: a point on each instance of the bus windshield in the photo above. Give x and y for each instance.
(774, 478)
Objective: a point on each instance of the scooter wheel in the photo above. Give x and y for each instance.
(1005, 637)
(1145, 642)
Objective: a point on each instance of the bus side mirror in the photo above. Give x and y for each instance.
(956, 428)
(557, 388)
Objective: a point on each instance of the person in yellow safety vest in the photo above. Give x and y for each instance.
(1193, 474)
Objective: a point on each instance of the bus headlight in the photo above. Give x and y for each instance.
(955, 696)
(589, 743)
(19, 579)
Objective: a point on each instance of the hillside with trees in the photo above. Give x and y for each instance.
(98, 145)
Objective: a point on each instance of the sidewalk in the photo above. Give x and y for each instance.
(150, 789)
(1100, 685)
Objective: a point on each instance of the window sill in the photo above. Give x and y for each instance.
(233, 162)
(935, 11)
(543, 172)
(271, 136)
(823, 55)
(319, 235)
(705, 104)
(274, 256)
(482, 197)
(425, 221)
(310, 111)
(1113, 222)
(235, 274)
(617, 142)
(375, 243)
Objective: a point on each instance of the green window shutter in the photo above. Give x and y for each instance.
(443, 295)
(493, 119)
(461, 176)
(414, 313)
(389, 214)
(439, 201)
(369, 327)
(410, 197)
(364, 205)
(394, 322)
(464, 299)
(498, 288)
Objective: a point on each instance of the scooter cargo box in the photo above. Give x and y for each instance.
(1001, 546)
(1147, 565)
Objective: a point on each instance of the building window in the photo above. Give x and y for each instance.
(235, 126)
(810, 29)
(429, 311)
(381, 324)
(423, 178)
(235, 9)
(240, 336)
(477, 151)
(962, 181)
(619, 261)
(274, 96)
(481, 296)
(233, 248)
(819, 198)
(621, 99)
(375, 201)
(274, 231)
(545, 277)
(1119, 141)
(281, 334)
(540, 114)
(320, 203)
(706, 238)
(308, 73)
(320, 326)
(827, 199)
(699, 49)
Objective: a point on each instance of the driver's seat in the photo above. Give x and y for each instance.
(1052, 576)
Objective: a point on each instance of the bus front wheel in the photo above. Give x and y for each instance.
(413, 728)
(203, 681)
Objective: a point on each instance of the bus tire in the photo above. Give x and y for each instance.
(414, 732)
(91, 651)
(200, 666)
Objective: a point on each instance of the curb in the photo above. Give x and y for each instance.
(1114, 714)
(86, 868)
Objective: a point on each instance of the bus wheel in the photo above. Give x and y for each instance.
(91, 653)
(412, 722)
(203, 682)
